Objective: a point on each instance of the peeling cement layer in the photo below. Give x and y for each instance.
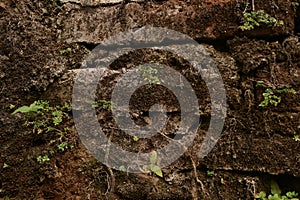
(198, 19)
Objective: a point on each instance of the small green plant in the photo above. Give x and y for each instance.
(57, 117)
(153, 167)
(42, 159)
(296, 138)
(223, 182)
(64, 51)
(292, 195)
(286, 90)
(43, 117)
(5, 166)
(107, 105)
(257, 18)
(271, 96)
(260, 84)
(261, 196)
(149, 74)
(64, 145)
(210, 173)
(122, 168)
(46, 119)
(6, 198)
(276, 194)
(135, 138)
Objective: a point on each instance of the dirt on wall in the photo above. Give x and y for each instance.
(42, 46)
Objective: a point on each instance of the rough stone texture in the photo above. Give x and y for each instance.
(97, 2)
(208, 19)
(254, 138)
(256, 145)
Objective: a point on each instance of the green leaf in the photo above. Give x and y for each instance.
(292, 194)
(95, 104)
(275, 197)
(296, 138)
(262, 196)
(153, 157)
(156, 170)
(287, 90)
(275, 188)
(42, 103)
(26, 109)
(5, 166)
(62, 146)
(210, 173)
(57, 117)
(67, 107)
(42, 159)
(122, 168)
(259, 84)
(264, 103)
(49, 128)
(135, 138)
